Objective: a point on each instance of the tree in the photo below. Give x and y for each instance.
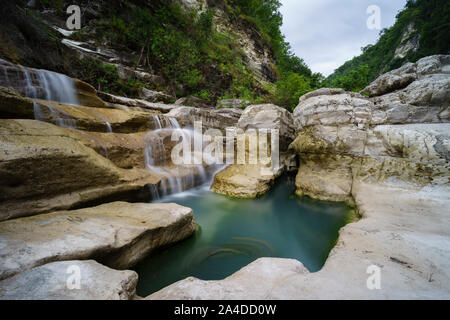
(290, 89)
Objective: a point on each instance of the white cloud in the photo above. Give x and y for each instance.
(327, 33)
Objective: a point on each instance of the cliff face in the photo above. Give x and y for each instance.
(182, 47)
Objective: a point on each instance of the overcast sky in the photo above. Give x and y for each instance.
(327, 33)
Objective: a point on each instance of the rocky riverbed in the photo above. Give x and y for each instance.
(389, 156)
(73, 179)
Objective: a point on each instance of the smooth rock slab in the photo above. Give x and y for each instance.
(243, 181)
(94, 119)
(49, 282)
(45, 168)
(118, 234)
(13, 105)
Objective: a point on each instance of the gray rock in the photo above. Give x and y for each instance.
(193, 102)
(155, 96)
(118, 234)
(429, 90)
(211, 119)
(270, 116)
(50, 282)
(333, 109)
(406, 75)
(322, 92)
(117, 99)
(233, 103)
(409, 42)
(152, 106)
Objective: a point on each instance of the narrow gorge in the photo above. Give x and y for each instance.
(187, 181)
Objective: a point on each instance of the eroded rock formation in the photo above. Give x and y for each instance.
(118, 234)
(251, 180)
(389, 156)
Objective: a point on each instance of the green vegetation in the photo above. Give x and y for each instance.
(291, 88)
(295, 77)
(194, 58)
(431, 18)
(182, 45)
(105, 77)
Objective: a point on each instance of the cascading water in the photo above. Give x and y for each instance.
(38, 84)
(62, 121)
(52, 86)
(174, 179)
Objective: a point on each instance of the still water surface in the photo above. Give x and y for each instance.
(233, 233)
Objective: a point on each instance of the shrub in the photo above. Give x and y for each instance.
(290, 89)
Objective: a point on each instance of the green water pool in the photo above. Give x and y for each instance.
(233, 233)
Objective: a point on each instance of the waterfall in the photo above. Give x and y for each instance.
(108, 127)
(38, 84)
(61, 119)
(52, 86)
(174, 179)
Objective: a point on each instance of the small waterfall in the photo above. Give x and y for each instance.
(61, 119)
(154, 192)
(174, 179)
(158, 122)
(108, 127)
(38, 84)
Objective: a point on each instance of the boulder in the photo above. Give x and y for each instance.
(233, 103)
(243, 181)
(211, 119)
(392, 81)
(248, 178)
(332, 107)
(251, 180)
(401, 135)
(429, 90)
(155, 96)
(322, 92)
(194, 102)
(50, 282)
(401, 78)
(87, 95)
(269, 116)
(332, 158)
(251, 282)
(118, 234)
(44, 167)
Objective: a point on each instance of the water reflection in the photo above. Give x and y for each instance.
(233, 233)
